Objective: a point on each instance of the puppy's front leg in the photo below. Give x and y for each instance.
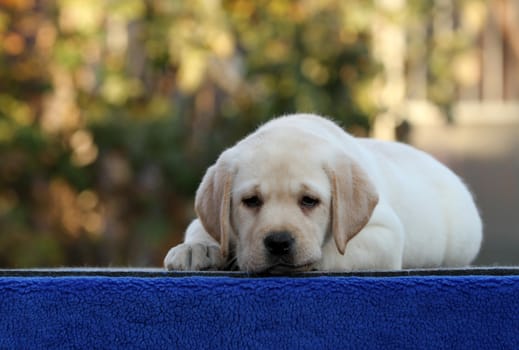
(199, 251)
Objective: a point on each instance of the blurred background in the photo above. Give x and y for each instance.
(110, 111)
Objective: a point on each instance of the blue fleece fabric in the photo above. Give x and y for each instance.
(462, 312)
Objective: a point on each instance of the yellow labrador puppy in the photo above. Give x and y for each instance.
(301, 194)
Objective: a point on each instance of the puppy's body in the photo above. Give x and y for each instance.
(300, 193)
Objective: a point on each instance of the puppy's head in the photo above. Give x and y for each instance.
(278, 199)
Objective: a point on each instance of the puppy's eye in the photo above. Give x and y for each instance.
(309, 202)
(252, 202)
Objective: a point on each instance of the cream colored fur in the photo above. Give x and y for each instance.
(380, 205)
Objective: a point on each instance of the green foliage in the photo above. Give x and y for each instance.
(110, 111)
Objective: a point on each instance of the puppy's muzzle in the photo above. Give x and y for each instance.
(281, 254)
(279, 244)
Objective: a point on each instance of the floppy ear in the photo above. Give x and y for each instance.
(354, 198)
(213, 203)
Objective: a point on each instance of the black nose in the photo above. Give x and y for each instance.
(279, 243)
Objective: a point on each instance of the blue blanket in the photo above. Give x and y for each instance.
(164, 311)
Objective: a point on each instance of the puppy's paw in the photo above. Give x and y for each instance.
(194, 257)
